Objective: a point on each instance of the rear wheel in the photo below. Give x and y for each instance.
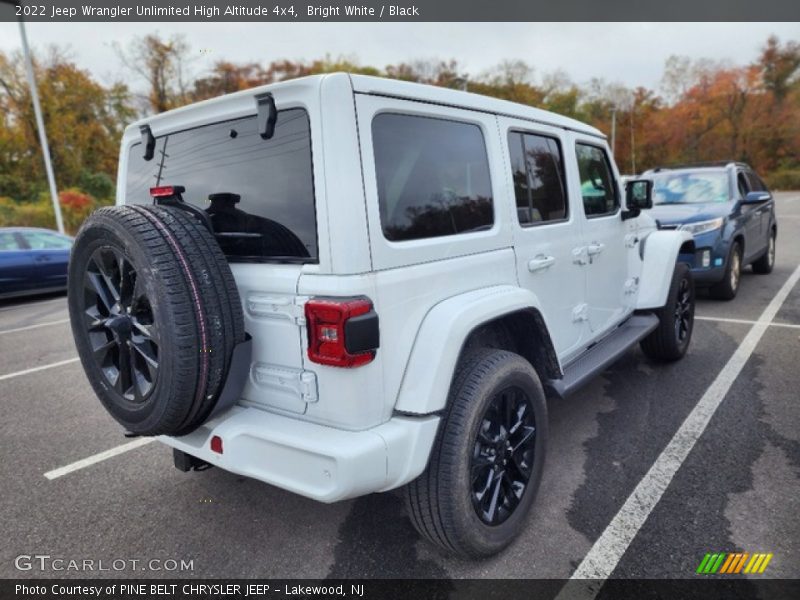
(487, 460)
(729, 286)
(670, 340)
(155, 315)
(766, 263)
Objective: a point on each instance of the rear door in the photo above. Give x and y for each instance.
(546, 230)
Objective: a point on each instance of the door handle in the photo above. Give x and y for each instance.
(44, 258)
(540, 262)
(595, 248)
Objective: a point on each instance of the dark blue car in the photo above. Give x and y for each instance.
(32, 261)
(729, 211)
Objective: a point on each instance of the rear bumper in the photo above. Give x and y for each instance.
(312, 460)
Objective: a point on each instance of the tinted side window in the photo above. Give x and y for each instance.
(538, 178)
(744, 185)
(755, 182)
(597, 181)
(259, 194)
(432, 175)
(8, 241)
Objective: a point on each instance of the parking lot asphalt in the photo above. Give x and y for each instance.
(738, 490)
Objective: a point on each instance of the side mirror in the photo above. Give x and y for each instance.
(638, 197)
(757, 197)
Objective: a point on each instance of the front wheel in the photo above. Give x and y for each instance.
(670, 340)
(487, 460)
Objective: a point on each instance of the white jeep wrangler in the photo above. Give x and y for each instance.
(342, 284)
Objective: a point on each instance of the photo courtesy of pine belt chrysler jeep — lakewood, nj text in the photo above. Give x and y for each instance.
(342, 285)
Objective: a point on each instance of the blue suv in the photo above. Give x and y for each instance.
(731, 214)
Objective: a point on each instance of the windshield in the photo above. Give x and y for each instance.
(690, 187)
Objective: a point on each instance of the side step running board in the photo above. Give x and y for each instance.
(597, 358)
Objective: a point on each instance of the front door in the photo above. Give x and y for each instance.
(604, 253)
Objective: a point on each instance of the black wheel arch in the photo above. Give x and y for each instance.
(523, 332)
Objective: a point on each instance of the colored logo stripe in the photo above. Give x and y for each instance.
(740, 563)
(732, 558)
(732, 562)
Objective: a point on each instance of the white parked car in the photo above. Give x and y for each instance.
(342, 284)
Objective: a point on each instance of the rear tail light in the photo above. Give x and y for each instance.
(216, 444)
(342, 332)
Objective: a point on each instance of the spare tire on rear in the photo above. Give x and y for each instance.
(155, 315)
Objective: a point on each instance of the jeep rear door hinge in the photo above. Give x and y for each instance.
(272, 306)
(580, 313)
(631, 240)
(580, 256)
(631, 285)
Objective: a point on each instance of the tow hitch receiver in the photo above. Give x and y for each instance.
(186, 462)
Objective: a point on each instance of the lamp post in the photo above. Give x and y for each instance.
(613, 130)
(37, 110)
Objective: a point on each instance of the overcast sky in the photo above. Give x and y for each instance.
(629, 53)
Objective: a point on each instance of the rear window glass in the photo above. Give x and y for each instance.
(433, 177)
(259, 194)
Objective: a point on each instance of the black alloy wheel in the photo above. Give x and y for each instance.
(684, 310)
(502, 460)
(477, 490)
(120, 325)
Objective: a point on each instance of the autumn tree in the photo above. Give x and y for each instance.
(84, 122)
(779, 65)
(164, 65)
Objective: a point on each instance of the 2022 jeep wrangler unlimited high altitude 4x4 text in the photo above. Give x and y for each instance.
(342, 285)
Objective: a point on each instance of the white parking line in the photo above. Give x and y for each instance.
(605, 554)
(745, 322)
(35, 369)
(26, 328)
(96, 458)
